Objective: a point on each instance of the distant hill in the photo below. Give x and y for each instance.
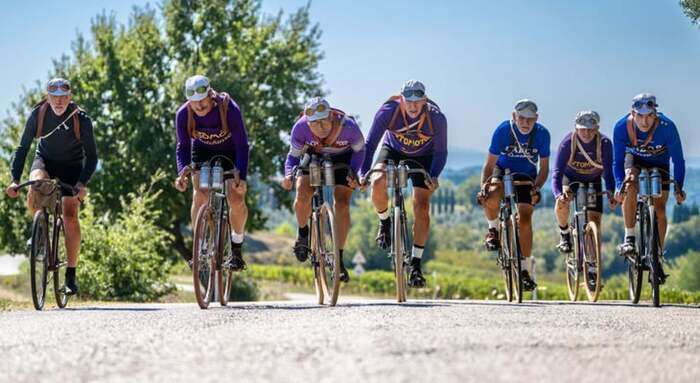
(460, 158)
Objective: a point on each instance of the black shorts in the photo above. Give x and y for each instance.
(201, 155)
(418, 180)
(597, 185)
(638, 164)
(341, 175)
(523, 193)
(66, 173)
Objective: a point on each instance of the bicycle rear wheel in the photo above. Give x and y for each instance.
(59, 251)
(592, 260)
(224, 276)
(398, 243)
(504, 260)
(573, 260)
(635, 269)
(653, 249)
(38, 259)
(516, 256)
(330, 255)
(203, 257)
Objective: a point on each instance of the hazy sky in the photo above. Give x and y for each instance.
(475, 57)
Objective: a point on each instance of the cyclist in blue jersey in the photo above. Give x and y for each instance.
(519, 144)
(645, 138)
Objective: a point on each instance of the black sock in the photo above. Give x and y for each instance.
(70, 272)
(236, 245)
(304, 231)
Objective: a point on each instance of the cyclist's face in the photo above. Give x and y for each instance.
(203, 106)
(59, 104)
(321, 128)
(644, 121)
(413, 108)
(586, 135)
(524, 124)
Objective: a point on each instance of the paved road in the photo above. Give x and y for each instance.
(361, 341)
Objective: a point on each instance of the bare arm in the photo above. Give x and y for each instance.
(543, 173)
(487, 171)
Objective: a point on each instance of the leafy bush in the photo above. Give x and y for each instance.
(123, 258)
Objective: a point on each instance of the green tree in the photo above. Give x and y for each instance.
(691, 9)
(130, 78)
(689, 271)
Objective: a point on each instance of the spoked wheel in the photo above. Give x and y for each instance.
(38, 260)
(634, 262)
(203, 257)
(224, 276)
(592, 261)
(316, 255)
(59, 249)
(504, 261)
(329, 261)
(654, 251)
(573, 275)
(398, 243)
(516, 255)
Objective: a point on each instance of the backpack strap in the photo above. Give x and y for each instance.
(222, 99)
(530, 141)
(632, 132)
(424, 116)
(41, 117)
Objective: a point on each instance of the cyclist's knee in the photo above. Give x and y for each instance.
(38, 174)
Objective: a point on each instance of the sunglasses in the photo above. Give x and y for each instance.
(320, 108)
(63, 87)
(197, 90)
(414, 93)
(639, 104)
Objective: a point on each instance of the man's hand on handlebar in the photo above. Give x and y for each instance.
(181, 182)
(680, 196)
(12, 191)
(287, 183)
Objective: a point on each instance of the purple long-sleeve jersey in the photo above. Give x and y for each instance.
(580, 169)
(349, 138)
(209, 134)
(406, 137)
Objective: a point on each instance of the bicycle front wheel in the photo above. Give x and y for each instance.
(516, 256)
(59, 251)
(573, 262)
(38, 259)
(504, 260)
(654, 251)
(398, 243)
(635, 267)
(330, 255)
(592, 261)
(224, 276)
(203, 257)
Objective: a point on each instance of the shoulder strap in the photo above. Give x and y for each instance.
(76, 122)
(395, 99)
(514, 137)
(223, 110)
(43, 107)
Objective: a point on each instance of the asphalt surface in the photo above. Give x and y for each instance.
(359, 341)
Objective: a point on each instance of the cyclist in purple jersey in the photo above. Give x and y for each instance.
(520, 145)
(326, 131)
(584, 155)
(413, 128)
(210, 124)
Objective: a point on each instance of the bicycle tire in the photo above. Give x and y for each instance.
(398, 255)
(224, 275)
(654, 265)
(61, 261)
(504, 260)
(330, 255)
(38, 260)
(515, 259)
(319, 272)
(573, 260)
(635, 270)
(592, 258)
(203, 259)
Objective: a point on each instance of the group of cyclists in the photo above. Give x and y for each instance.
(409, 126)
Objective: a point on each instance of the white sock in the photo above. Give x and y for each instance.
(523, 264)
(592, 269)
(565, 231)
(383, 215)
(629, 232)
(493, 223)
(417, 252)
(237, 238)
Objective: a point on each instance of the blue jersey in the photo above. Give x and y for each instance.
(664, 145)
(510, 155)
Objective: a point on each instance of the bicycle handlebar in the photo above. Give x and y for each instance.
(418, 170)
(73, 190)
